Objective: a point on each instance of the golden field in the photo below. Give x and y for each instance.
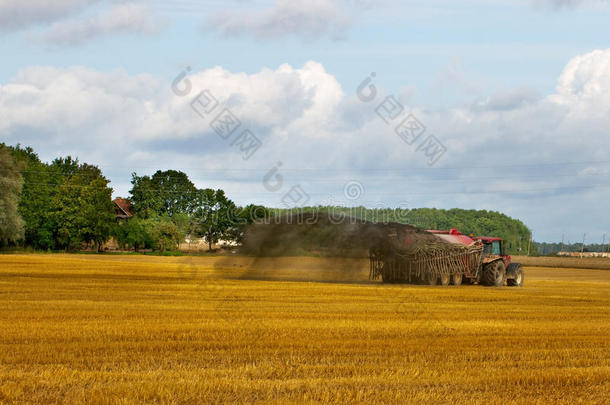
(188, 330)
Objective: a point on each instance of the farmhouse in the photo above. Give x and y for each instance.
(122, 208)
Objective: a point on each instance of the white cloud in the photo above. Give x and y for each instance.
(308, 122)
(304, 18)
(70, 102)
(121, 18)
(586, 78)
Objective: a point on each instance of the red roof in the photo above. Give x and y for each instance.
(125, 207)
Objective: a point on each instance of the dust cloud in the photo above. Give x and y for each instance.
(318, 246)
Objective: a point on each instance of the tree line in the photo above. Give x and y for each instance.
(545, 248)
(167, 206)
(67, 205)
(53, 206)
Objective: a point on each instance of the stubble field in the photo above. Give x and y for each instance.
(185, 330)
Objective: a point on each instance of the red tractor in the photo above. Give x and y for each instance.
(496, 266)
(443, 257)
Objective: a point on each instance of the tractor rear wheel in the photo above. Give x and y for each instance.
(456, 279)
(518, 280)
(445, 279)
(494, 274)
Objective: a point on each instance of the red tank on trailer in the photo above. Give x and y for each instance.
(453, 236)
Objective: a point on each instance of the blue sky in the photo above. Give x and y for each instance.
(515, 92)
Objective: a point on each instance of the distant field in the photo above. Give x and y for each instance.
(186, 330)
(565, 262)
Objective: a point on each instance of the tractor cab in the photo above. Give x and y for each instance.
(492, 246)
(493, 249)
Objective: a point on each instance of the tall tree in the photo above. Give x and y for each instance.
(146, 202)
(39, 185)
(167, 192)
(213, 215)
(83, 209)
(11, 224)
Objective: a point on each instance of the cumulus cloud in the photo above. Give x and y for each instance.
(304, 18)
(121, 18)
(586, 77)
(325, 136)
(116, 106)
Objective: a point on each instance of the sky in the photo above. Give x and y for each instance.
(501, 106)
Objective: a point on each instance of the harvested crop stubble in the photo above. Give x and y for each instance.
(134, 329)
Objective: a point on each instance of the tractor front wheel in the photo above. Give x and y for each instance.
(494, 274)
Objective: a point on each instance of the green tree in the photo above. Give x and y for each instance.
(165, 234)
(167, 192)
(83, 209)
(39, 185)
(213, 215)
(64, 167)
(135, 233)
(146, 202)
(183, 223)
(11, 182)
